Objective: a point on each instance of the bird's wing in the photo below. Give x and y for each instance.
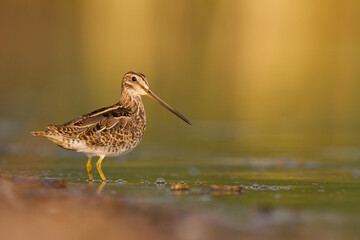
(95, 122)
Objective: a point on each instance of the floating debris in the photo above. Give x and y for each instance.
(225, 188)
(180, 187)
(274, 188)
(160, 181)
(120, 181)
(256, 187)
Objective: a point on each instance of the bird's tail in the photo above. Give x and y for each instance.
(39, 133)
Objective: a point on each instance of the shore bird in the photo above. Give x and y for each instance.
(108, 131)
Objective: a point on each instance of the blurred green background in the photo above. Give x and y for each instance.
(258, 76)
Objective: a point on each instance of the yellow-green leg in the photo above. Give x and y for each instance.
(88, 169)
(98, 167)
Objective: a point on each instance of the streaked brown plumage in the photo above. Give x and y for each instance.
(109, 131)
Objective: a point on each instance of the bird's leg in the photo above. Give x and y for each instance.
(98, 167)
(88, 169)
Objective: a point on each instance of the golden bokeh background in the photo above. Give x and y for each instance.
(242, 71)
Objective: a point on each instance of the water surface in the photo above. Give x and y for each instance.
(307, 189)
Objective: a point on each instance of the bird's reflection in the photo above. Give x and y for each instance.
(99, 188)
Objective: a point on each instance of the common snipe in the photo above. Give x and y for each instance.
(109, 131)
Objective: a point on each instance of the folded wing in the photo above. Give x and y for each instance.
(94, 122)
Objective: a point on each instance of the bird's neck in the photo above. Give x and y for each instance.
(131, 100)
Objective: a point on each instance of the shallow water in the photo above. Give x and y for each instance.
(317, 188)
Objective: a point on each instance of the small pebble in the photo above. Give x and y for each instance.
(120, 181)
(197, 183)
(255, 186)
(160, 181)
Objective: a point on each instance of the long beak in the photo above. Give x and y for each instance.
(164, 104)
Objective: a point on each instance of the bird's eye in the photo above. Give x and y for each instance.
(133, 79)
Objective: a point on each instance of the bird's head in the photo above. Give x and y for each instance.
(136, 84)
